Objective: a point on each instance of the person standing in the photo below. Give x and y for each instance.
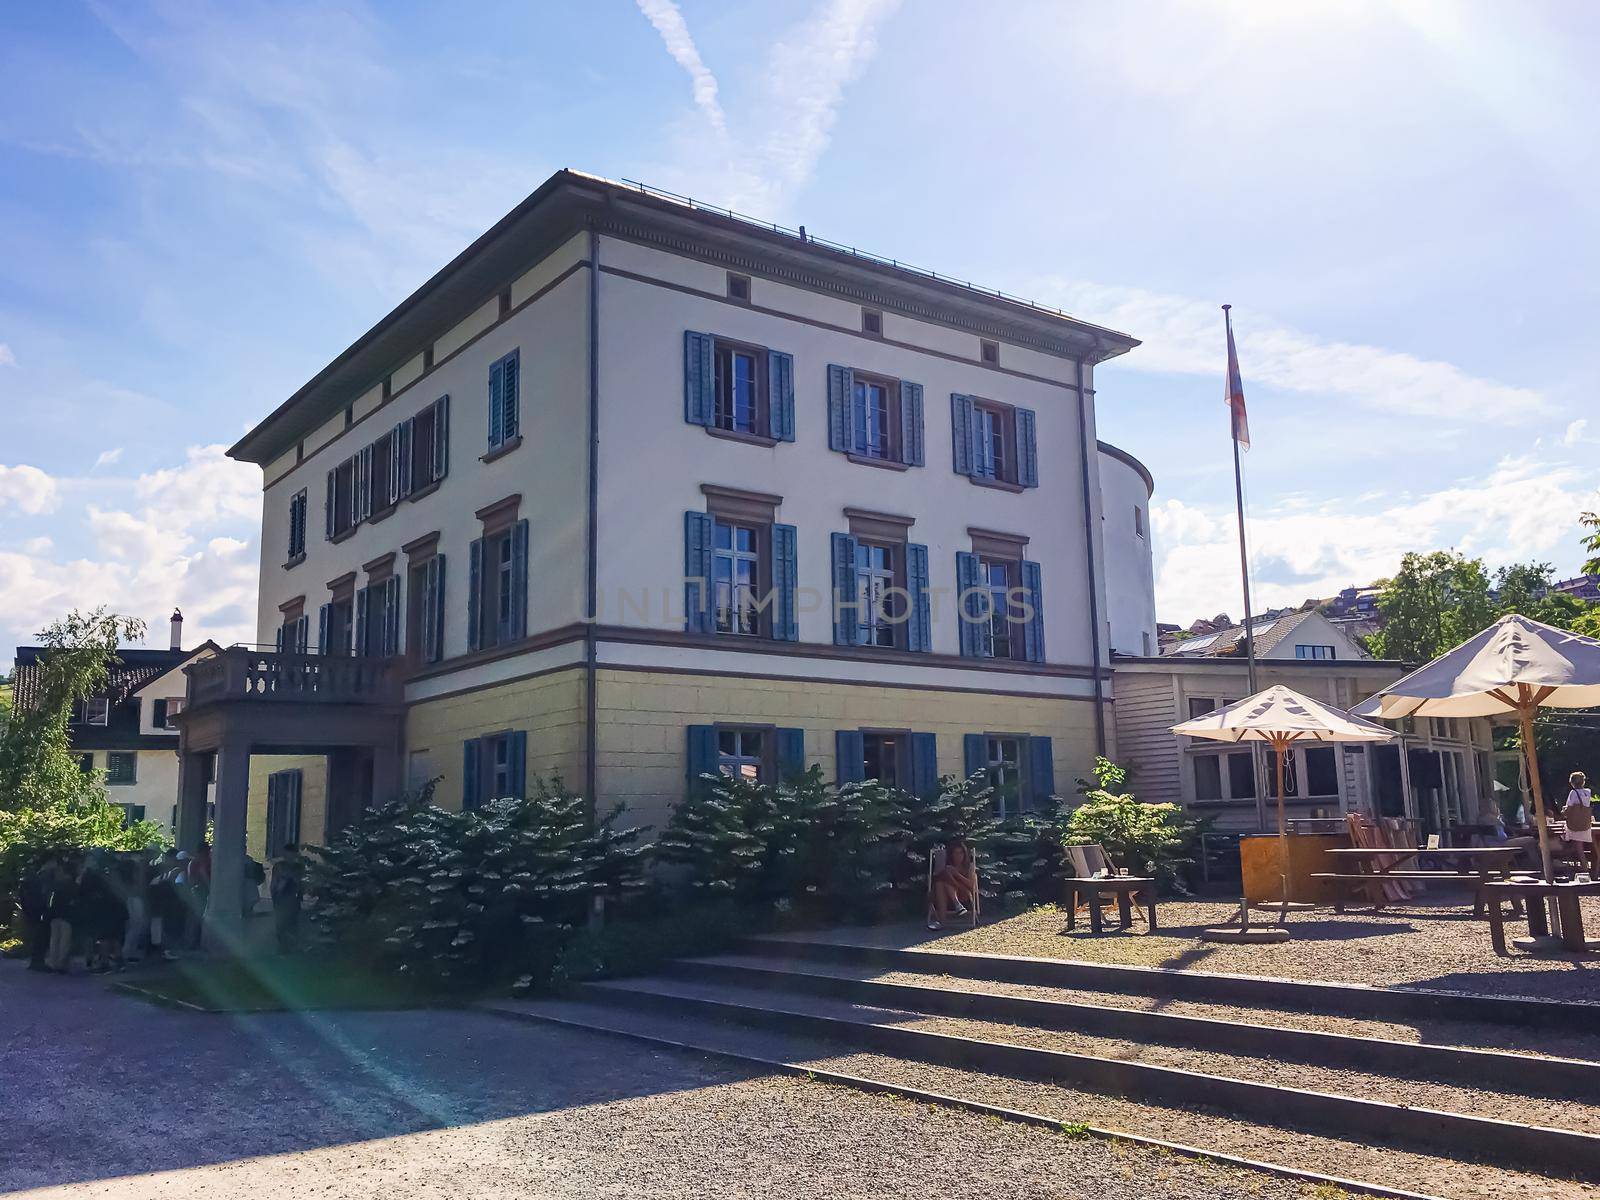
(63, 900)
(34, 896)
(1579, 816)
(288, 888)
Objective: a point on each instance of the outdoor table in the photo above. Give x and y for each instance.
(1380, 863)
(1123, 887)
(1536, 891)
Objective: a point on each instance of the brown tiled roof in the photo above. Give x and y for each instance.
(1229, 643)
(130, 671)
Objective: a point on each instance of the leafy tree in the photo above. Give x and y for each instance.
(1435, 602)
(1147, 839)
(1527, 588)
(1591, 541)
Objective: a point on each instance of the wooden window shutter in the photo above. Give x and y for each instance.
(400, 461)
(363, 474)
(780, 395)
(699, 378)
(441, 436)
(910, 423)
(963, 452)
(470, 786)
(849, 756)
(474, 597)
(974, 754)
(785, 580)
(324, 615)
(791, 755)
(519, 579)
(1041, 767)
(841, 419)
(1027, 449)
(391, 615)
(511, 399)
(702, 753)
(518, 754)
(972, 607)
(924, 765)
(497, 392)
(919, 622)
(363, 619)
(1033, 629)
(302, 635)
(327, 503)
(697, 602)
(846, 610)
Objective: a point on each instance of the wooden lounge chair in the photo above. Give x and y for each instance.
(936, 861)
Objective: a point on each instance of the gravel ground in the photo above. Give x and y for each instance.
(105, 1096)
(1419, 945)
(1375, 1164)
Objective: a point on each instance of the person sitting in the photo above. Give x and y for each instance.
(953, 884)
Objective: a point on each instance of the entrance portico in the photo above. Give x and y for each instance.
(243, 702)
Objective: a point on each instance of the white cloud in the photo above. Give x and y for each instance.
(7, 357)
(1522, 510)
(1575, 432)
(38, 545)
(106, 458)
(668, 21)
(29, 489)
(1184, 336)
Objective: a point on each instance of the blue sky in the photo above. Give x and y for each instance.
(203, 204)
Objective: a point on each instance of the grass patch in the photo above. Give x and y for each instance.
(283, 984)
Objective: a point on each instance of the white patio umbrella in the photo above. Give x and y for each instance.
(1514, 666)
(1281, 717)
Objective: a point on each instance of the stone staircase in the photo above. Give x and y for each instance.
(1390, 1091)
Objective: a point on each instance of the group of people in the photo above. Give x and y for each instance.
(114, 908)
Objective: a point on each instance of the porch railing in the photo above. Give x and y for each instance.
(241, 673)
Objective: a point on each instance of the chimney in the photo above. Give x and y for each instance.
(177, 630)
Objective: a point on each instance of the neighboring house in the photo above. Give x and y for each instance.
(1440, 771)
(128, 730)
(1304, 635)
(736, 448)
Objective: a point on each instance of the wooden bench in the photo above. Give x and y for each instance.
(1377, 865)
(1358, 882)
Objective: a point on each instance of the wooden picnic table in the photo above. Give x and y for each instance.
(1375, 865)
(1123, 887)
(1569, 913)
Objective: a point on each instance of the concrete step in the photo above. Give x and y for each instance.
(893, 1032)
(1339, 999)
(1555, 1078)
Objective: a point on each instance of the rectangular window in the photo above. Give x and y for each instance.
(872, 322)
(499, 766)
(429, 443)
(873, 419)
(1199, 706)
(736, 578)
(884, 758)
(741, 754)
(383, 480)
(122, 767)
(342, 482)
(738, 287)
(505, 412)
(174, 707)
(998, 577)
(1241, 776)
(297, 525)
(1138, 520)
(993, 449)
(1322, 771)
(1318, 652)
(283, 811)
(94, 711)
(988, 351)
(879, 612)
(1208, 777)
(500, 577)
(341, 627)
(1005, 773)
(739, 393)
(86, 763)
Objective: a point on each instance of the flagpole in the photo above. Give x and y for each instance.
(1244, 569)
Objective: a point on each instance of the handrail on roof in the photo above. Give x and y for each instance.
(810, 239)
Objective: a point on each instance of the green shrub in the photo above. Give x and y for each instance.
(639, 946)
(1146, 839)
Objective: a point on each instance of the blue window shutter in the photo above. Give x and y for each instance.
(474, 600)
(702, 750)
(697, 534)
(849, 751)
(324, 616)
(363, 506)
(846, 613)
(402, 459)
(961, 448)
(924, 764)
(785, 581)
(363, 624)
(391, 615)
(910, 423)
(791, 752)
(511, 400)
(972, 607)
(919, 625)
(841, 386)
(302, 635)
(327, 505)
(780, 395)
(519, 763)
(471, 795)
(1027, 449)
(699, 378)
(497, 392)
(1041, 770)
(519, 579)
(433, 609)
(441, 436)
(974, 753)
(1033, 631)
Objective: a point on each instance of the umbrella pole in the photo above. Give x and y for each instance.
(1281, 746)
(1525, 716)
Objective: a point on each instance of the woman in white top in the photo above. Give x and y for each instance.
(1579, 815)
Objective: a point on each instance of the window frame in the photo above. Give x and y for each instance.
(761, 400)
(95, 712)
(739, 287)
(995, 769)
(899, 755)
(892, 447)
(765, 759)
(731, 507)
(1003, 419)
(891, 623)
(298, 510)
(128, 757)
(1332, 654)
